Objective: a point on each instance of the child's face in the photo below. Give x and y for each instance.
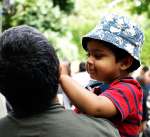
(101, 62)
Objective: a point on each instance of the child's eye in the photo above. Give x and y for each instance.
(98, 56)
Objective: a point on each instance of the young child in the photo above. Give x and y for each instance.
(113, 48)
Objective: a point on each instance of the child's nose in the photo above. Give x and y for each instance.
(89, 64)
(90, 60)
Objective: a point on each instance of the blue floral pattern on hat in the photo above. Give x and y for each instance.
(119, 31)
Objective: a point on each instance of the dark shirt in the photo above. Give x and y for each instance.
(56, 122)
(145, 95)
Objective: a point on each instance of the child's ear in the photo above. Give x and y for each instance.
(126, 62)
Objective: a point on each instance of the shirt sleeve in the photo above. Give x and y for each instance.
(124, 97)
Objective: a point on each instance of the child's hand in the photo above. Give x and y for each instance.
(63, 69)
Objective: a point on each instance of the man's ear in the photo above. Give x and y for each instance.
(126, 62)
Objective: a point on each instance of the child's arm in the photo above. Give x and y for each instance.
(86, 101)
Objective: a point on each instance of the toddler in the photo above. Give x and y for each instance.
(113, 49)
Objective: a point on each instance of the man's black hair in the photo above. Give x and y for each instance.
(29, 70)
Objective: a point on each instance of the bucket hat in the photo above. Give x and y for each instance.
(119, 31)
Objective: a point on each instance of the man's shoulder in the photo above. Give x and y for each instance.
(58, 122)
(91, 125)
(4, 120)
(7, 127)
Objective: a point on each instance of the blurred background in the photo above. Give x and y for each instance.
(64, 22)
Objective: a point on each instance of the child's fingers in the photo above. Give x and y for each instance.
(64, 68)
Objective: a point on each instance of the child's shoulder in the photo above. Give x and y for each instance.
(127, 83)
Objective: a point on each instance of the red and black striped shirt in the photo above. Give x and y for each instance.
(126, 95)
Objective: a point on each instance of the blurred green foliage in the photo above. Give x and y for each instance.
(48, 16)
(64, 5)
(145, 56)
(140, 7)
(64, 22)
(42, 14)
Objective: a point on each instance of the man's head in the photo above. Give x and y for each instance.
(29, 70)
